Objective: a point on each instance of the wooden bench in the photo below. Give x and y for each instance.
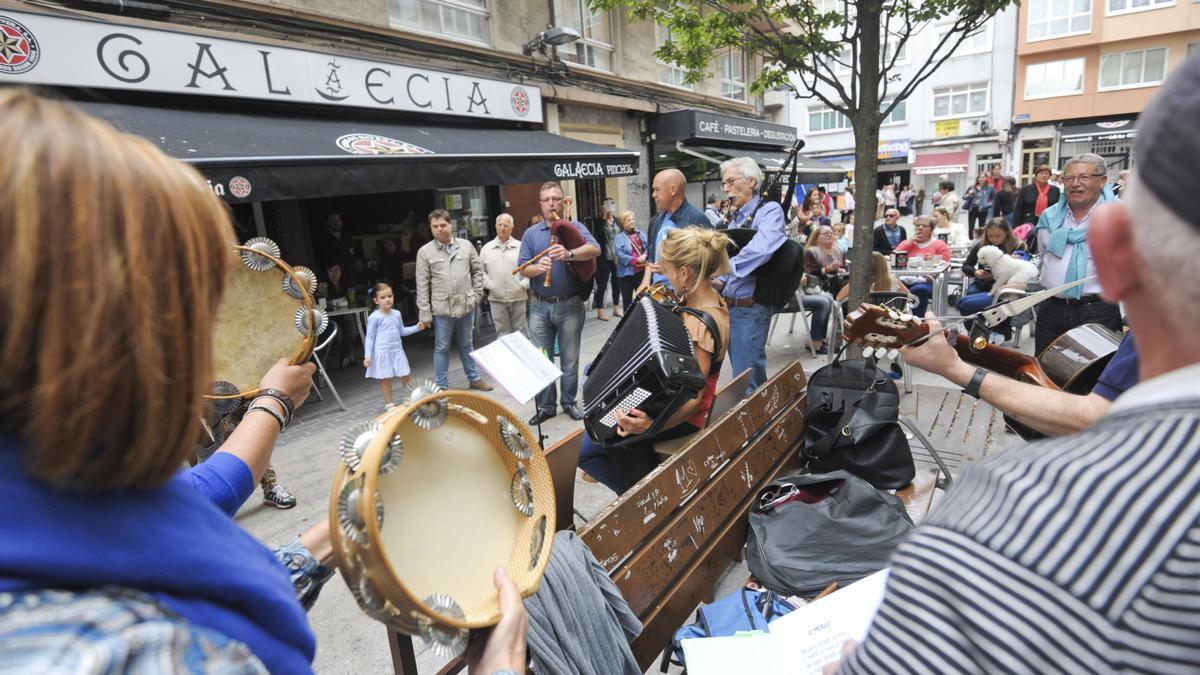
(724, 400)
(667, 541)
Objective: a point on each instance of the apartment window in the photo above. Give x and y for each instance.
(824, 118)
(1141, 68)
(733, 75)
(976, 43)
(1058, 18)
(899, 115)
(1054, 78)
(465, 19)
(595, 48)
(669, 73)
(889, 47)
(1122, 6)
(964, 101)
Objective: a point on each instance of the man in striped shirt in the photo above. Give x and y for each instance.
(1082, 553)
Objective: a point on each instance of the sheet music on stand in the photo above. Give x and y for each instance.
(520, 368)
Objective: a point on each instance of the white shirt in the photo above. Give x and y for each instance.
(1054, 268)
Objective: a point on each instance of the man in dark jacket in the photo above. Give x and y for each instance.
(670, 200)
(889, 234)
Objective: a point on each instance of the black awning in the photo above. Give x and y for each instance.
(259, 157)
(808, 170)
(1111, 130)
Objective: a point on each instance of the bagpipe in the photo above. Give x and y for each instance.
(564, 232)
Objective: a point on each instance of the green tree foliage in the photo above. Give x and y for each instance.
(843, 53)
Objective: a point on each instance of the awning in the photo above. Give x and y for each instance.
(811, 170)
(942, 162)
(260, 157)
(1113, 130)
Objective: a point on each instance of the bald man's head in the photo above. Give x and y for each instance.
(668, 189)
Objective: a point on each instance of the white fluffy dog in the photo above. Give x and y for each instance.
(1007, 271)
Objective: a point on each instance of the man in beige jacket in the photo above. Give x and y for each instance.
(449, 286)
(507, 292)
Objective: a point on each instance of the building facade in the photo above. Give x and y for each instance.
(1084, 71)
(954, 124)
(379, 110)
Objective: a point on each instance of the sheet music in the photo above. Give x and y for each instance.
(799, 643)
(517, 366)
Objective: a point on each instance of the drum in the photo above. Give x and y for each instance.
(430, 497)
(267, 313)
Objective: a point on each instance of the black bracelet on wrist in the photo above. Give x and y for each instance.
(289, 408)
(972, 387)
(272, 412)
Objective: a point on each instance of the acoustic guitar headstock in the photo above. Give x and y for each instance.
(883, 328)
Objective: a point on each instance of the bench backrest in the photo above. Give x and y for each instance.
(666, 542)
(563, 458)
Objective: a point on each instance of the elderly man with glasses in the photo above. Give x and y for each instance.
(1062, 239)
(889, 234)
(749, 320)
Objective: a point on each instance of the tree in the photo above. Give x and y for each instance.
(842, 53)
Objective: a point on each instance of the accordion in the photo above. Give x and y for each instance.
(647, 363)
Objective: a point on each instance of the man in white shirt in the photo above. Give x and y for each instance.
(1062, 233)
(508, 293)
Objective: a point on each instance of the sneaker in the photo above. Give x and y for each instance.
(541, 416)
(278, 497)
(480, 385)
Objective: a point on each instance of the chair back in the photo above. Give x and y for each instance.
(333, 331)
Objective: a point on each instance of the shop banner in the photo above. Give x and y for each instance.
(52, 50)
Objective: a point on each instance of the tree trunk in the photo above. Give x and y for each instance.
(866, 175)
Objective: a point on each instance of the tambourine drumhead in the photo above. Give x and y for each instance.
(257, 321)
(424, 513)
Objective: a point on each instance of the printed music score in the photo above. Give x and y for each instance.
(520, 368)
(798, 643)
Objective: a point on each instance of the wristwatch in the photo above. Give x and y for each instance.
(571, 255)
(972, 387)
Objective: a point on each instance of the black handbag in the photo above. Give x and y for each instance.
(852, 424)
(809, 530)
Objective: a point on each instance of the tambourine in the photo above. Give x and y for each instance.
(267, 313)
(430, 497)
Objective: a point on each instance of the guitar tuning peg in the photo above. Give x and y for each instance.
(868, 352)
(893, 315)
(894, 354)
(907, 318)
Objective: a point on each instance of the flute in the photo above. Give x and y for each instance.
(553, 241)
(527, 263)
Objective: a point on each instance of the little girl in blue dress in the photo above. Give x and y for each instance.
(385, 356)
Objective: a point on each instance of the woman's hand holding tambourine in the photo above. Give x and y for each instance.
(504, 646)
(295, 381)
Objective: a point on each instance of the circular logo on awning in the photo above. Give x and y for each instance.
(520, 101)
(372, 144)
(239, 186)
(19, 51)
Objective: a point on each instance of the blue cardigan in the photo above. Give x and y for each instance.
(173, 542)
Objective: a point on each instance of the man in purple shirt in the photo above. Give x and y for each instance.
(748, 320)
(557, 310)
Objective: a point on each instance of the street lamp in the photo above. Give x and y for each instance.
(551, 37)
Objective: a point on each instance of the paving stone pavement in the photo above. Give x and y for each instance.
(306, 459)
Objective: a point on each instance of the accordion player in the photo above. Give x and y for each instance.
(648, 364)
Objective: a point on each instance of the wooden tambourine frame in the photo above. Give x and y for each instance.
(458, 485)
(302, 280)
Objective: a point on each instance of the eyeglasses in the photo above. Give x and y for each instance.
(772, 495)
(1082, 178)
(730, 181)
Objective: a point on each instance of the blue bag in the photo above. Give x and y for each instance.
(743, 610)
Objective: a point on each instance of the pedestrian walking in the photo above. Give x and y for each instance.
(385, 358)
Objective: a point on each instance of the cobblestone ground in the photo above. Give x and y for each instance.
(306, 458)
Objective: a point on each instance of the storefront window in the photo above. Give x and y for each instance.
(466, 19)
(1034, 153)
(468, 210)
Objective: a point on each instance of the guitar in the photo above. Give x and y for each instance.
(1072, 362)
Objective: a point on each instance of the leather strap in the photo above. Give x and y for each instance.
(972, 387)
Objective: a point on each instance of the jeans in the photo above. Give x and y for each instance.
(564, 321)
(976, 219)
(820, 306)
(748, 328)
(622, 467)
(974, 299)
(444, 329)
(1055, 318)
(922, 292)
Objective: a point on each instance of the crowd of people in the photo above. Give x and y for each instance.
(1075, 554)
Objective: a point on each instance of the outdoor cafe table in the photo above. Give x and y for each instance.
(938, 273)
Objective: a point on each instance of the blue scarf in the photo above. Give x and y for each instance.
(1053, 220)
(171, 542)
